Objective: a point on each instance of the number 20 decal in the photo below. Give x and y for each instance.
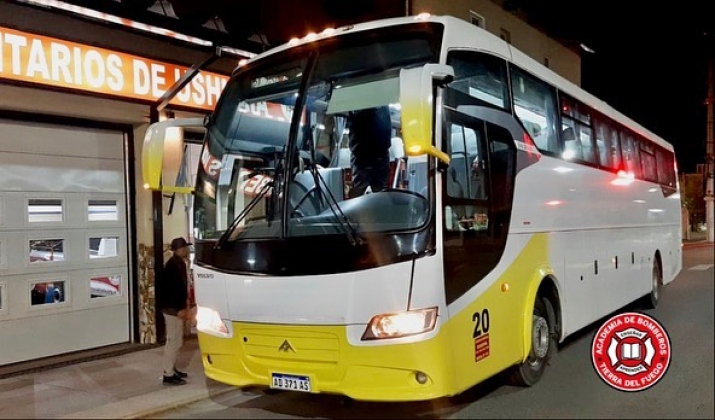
(481, 322)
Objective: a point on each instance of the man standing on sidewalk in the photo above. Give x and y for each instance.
(173, 301)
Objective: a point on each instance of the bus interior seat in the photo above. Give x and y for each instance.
(570, 142)
(568, 134)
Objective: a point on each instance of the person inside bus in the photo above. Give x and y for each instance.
(369, 139)
(476, 179)
(478, 221)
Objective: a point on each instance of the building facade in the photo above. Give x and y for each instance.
(493, 18)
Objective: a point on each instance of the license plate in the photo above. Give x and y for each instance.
(290, 382)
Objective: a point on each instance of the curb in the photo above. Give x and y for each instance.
(152, 403)
(178, 403)
(699, 244)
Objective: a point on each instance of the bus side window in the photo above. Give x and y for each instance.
(629, 151)
(535, 106)
(604, 144)
(572, 148)
(615, 148)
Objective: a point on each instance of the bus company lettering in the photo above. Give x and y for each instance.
(631, 352)
(268, 110)
(49, 61)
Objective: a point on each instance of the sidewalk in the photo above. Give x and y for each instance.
(126, 386)
(697, 239)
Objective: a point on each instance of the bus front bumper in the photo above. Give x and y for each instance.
(323, 357)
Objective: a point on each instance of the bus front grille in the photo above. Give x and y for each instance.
(289, 345)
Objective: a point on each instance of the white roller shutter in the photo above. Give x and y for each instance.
(63, 227)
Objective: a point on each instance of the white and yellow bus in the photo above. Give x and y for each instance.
(519, 209)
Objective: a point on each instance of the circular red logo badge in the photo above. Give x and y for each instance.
(631, 351)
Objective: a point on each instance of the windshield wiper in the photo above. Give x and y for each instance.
(268, 186)
(343, 221)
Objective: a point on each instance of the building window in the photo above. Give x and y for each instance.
(505, 35)
(477, 19)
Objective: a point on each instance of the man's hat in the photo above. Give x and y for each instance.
(178, 243)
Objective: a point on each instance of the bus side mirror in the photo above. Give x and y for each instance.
(163, 152)
(417, 105)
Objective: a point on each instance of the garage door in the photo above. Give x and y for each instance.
(64, 278)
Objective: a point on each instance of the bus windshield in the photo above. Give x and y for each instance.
(337, 167)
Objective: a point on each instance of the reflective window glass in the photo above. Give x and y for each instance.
(43, 210)
(46, 250)
(105, 286)
(47, 292)
(103, 247)
(102, 210)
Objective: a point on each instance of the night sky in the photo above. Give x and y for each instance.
(649, 62)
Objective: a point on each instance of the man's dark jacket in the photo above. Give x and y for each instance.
(173, 293)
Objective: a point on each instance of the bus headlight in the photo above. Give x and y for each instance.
(209, 321)
(400, 324)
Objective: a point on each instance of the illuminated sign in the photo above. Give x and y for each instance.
(54, 62)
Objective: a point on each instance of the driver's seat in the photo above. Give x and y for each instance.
(303, 193)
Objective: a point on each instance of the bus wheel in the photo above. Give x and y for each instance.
(656, 286)
(543, 345)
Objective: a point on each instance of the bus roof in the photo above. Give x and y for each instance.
(462, 34)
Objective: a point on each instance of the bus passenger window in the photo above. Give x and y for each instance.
(535, 106)
(480, 76)
(585, 135)
(629, 151)
(648, 162)
(572, 148)
(604, 144)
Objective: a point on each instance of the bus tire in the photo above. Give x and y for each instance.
(653, 298)
(543, 345)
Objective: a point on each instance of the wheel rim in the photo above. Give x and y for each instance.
(656, 284)
(540, 339)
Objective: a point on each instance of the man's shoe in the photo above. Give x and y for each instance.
(173, 380)
(180, 374)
